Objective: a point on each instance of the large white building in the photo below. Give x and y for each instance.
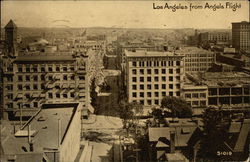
(150, 76)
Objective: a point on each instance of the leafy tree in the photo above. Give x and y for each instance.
(178, 106)
(129, 110)
(214, 133)
(93, 93)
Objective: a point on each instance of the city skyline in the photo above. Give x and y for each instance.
(125, 14)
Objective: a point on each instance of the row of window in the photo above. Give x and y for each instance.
(20, 105)
(196, 69)
(198, 55)
(198, 65)
(155, 86)
(150, 94)
(156, 79)
(156, 71)
(22, 78)
(43, 87)
(148, 102)
(51, 95)
(155, 63)
(195, 95)
(199, 60)
(198, 103)
(44, 68)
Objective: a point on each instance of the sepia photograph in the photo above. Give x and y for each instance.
(124, 81)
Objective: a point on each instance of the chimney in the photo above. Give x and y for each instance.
(31, 147)
(172, 141)
(29, 140)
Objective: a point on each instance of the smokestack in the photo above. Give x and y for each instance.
(59, 132)
(172, 141)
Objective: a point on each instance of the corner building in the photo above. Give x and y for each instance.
(150, 76)
(31, 79)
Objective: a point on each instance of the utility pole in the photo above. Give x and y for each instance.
(21, 115)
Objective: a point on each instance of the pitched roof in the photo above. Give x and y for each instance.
(11, 24)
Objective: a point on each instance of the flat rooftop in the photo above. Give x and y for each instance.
(45, 127)
(223, 78)
(44, 58)
(142, 53)
(193, 50)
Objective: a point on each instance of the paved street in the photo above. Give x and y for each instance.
(103, 133)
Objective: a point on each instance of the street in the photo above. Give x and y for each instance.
(103, 134)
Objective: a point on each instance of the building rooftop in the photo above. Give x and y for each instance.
(183, 128)
(222, 78)
(193, 50)
(11, 24)
(142, 53)
(48, 127)
(44, 57)
(242, 22)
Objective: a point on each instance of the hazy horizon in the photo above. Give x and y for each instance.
(125, 14)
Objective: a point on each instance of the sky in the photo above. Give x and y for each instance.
(127, 14)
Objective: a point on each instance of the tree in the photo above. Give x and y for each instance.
(214, 133)
(129, 110)
(93, 93)
(178, 106)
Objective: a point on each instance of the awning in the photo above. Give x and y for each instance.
(50, 86)
(81, 94)
(57, 84)
(65, 86)
(81, 91)
(43, 95)
(19, 95)
(57, 77)
(81, 86)
(72, 85)
(35, 95)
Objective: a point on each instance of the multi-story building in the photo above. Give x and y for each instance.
(231, 88)
(33, 78)
(197, 59)
(149, 76)
(214, 37)
(195, 95)
(241, 36)
(227, 89)
(53, 134)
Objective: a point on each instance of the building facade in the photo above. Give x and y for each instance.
(195, 95)
(241, 36)
(150, 76)
(214, 37)
(31, 79)
(197, 59)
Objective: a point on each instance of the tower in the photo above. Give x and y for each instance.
(11, 38)
(240, 36)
